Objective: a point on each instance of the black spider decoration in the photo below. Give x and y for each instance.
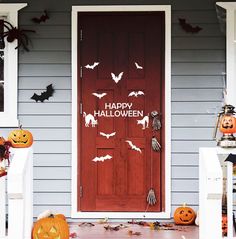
(14, 33)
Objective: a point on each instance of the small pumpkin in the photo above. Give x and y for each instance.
(224, 225)
(52, 227)
(228, 124)
(184, 215)
(20, 138)
(2, 141)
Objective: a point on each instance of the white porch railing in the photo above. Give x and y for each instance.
(210, 192)
(20, 196)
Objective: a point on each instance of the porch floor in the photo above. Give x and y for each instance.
(98, 232)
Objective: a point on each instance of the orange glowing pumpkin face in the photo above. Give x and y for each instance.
(228, 124)
(51, 228)
(184, 215)
(20, 138)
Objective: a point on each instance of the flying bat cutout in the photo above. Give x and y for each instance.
(231, 158)
(133, 147)
(187, 27)
(42, 18)
(108, 135)
(136, 93)
(117, 78)
(44, 95)
(99, 95)
(102, 158)
(138, 66)
(92, 66)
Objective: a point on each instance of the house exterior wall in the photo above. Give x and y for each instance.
(198, 61)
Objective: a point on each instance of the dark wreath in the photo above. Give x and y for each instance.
(13, 33)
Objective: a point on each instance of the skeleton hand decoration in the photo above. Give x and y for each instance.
(151, 197)
(156, 123)
(155, 144)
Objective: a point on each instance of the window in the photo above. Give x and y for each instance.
(8, 68)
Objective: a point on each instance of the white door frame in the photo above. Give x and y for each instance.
(74, 173)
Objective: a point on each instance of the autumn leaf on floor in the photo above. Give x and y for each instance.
(103, 220)
(86, 224)
(73, 235)
(131, 233)
(110, 228)
(140, 223)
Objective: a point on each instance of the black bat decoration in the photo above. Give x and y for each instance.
(187, 27)
(43, 18)
(231, 158)
(44, 95)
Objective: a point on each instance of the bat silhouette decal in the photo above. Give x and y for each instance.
(138, 66)
(102, 158)
(133, 147)
(136, 93)
(187, 27)
(92, 66)
(117, 78)
(231, 158)
(44, 95)
(43, 18)
(99, 95)
(108, 135)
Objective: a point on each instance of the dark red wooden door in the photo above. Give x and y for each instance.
(132, 43)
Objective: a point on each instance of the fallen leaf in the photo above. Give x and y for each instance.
(131, 233)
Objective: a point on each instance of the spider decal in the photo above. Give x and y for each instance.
(13, 34)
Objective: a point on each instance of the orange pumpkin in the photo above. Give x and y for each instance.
(52, 227)
(224, 225)
(228, 124)
(2, 141)
(60, 216)
(184, 215)
(20, 138)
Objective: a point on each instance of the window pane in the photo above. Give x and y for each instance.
(1, 30)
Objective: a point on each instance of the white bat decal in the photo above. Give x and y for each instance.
(92, 66)
(136, 93)
(134, 147)
(138, 66)
(99, 95)
(108, 135)
(116, 78)
(102, 158)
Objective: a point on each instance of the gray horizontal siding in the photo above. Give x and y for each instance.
(198, 61)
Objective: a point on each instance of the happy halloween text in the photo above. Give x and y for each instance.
(118, 110)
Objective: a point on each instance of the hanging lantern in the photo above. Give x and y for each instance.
(226, 122)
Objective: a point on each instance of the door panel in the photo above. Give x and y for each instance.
(117, 41)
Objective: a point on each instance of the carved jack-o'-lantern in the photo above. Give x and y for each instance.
(184, 215)
(228, 124)
(51, 228)
(20, 138)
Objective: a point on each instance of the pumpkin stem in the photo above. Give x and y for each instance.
(184, 204)
(20, 126)
(51, 216)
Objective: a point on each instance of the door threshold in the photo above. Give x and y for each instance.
(121, 215)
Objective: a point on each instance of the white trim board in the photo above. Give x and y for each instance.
(74, 189)
(230, 50)
(8, 118)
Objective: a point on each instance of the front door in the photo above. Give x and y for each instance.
(121, 82)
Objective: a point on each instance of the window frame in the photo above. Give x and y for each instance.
(8, 118)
